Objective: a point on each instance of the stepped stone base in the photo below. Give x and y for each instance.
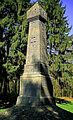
(33, 102)
(34, 90)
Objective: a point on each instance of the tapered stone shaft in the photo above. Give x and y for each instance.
(35, 84)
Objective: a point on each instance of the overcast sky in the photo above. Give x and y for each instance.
(69, 11)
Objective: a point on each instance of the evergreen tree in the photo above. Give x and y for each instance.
(13, 39)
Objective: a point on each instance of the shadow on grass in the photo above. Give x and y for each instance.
(36, 113)
(61, 101)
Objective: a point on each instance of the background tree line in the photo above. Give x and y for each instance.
(13, 44)
(13, 39)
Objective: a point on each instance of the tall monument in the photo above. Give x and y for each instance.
(35, 84)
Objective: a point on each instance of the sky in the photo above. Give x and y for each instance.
(69, 12)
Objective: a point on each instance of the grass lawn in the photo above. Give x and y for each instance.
(66, 106)
(2, 110)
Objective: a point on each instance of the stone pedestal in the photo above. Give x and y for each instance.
(35, 84)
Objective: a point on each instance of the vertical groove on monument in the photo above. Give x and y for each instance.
(35, 84)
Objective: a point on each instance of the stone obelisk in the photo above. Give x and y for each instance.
(35, 84)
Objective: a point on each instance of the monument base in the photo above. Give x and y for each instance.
(34, 90)
(33, 102)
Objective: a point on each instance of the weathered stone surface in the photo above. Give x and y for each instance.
(35, 84)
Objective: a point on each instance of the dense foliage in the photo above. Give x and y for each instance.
(13, 39)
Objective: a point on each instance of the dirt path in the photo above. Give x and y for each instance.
(66, 98)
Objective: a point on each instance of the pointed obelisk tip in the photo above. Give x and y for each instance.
(36, 10)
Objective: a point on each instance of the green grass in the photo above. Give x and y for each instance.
(66, 106)
(2, 110)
